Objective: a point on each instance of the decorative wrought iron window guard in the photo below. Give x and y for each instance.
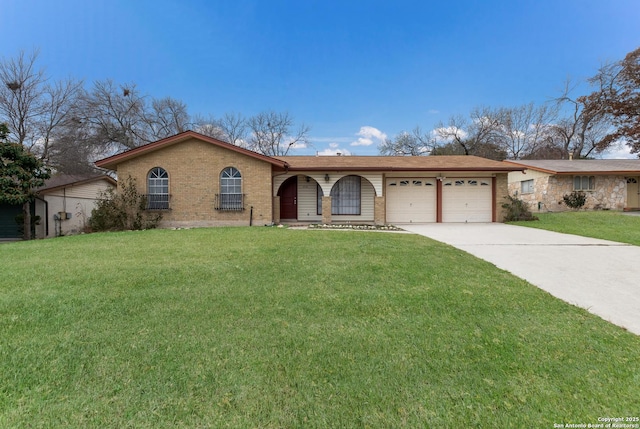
(157, 201)
(229, 202)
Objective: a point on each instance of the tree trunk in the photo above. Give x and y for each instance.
(26, 210)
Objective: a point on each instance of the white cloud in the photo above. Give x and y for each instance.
(334, 150)
(369, 136)
(618, 151)
(433, 111)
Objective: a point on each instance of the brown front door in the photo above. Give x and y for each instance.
(289, 199)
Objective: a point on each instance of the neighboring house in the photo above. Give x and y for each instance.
(65, 202)
(196, 180)
(608, 183)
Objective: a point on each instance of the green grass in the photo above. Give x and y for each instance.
(272, 328)
(607, 225)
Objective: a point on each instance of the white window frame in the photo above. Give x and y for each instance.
(526, 186)
(230, 189)
(584, 183)
(158, 189)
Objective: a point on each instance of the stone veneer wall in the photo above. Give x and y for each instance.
(610, 193)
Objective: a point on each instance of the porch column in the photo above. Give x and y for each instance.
(379, 211)
(326, 210)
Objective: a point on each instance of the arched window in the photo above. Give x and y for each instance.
(345, 196)
(158, 189)
(230, 197)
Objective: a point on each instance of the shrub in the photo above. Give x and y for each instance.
(35, 220)
(122, 211)
(517, 210)
(575, 200)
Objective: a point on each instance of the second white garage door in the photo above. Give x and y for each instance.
(411, 200)
(467, 200)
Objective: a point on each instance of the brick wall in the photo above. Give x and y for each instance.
(380, 215)
(502, 191)
(194, 169)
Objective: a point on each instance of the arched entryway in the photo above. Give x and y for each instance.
(288, 194)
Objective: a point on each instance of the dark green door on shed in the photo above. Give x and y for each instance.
(9, 228)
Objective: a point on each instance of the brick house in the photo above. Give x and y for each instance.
(607, 183)
(197, 180)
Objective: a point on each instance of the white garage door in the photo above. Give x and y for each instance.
(411, 200)
(467, 200)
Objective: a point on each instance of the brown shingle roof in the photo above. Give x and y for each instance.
(586, 166)
(396, 163)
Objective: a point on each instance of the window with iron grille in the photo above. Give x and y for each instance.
(158, 189)
(230, 197)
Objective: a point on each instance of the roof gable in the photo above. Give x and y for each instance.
(112, 162)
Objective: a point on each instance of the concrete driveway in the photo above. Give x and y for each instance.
(601, 276)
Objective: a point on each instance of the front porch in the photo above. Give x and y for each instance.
(328, 199)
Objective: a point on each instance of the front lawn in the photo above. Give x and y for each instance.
(607, 225)
(273, 328)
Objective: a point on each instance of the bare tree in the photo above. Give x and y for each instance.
(21, 93)
(209, 126)
(583, 129)
(271, 133)
(415, 143)
(60, 106)
(235, 128)
(523, 129)
(33, 108)
(116, 116)
(454, 133)
(73, 150)
(231, 128)
(478, 135)
(167, 117)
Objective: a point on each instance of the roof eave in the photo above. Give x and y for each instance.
(78, 183)
(348, 168)
(598, 173)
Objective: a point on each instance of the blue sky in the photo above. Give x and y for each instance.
(352, 70)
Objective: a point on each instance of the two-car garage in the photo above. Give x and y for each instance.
(423, 200)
